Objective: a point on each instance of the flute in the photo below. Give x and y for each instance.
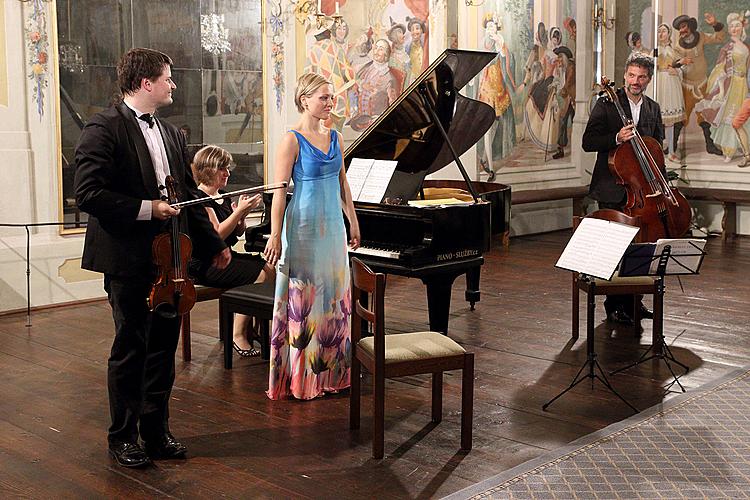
(221, 196)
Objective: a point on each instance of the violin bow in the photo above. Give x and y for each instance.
(222, 196)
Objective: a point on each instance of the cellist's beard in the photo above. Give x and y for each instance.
(633, 92)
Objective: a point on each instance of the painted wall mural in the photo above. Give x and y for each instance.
(702, 81)
(370, 51)
(530, 83)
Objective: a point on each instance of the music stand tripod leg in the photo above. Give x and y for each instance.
(659, 348)
(591, 361)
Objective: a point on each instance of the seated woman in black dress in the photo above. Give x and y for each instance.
(211, 167)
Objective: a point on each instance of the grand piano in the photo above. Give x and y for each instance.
(427, 127)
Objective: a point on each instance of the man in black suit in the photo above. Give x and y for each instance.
(122, 159)
(604, 132)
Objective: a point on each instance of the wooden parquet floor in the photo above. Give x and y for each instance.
(54, 412)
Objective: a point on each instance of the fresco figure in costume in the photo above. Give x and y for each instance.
(565, 75)
(311, 336)
(738, 124)
(570, 26)
(533, 68)
(727, 87)
(669, 88)
(496, 88)
(541, 113)
(417, 48)
(634, 41)
(378, 86)
(328, 57)
(690, 49)
(555, 38)
(358, 53)
(399, 59)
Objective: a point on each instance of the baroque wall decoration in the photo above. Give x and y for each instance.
(530, 83)
(37, 44)
(370, 51)
(701, 80)
(277, 50)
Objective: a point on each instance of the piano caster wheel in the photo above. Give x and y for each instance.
(491, 176)
(471, 306)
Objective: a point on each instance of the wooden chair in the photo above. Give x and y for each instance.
(637, 285)
(399, 355)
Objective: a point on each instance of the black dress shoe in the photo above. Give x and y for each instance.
(129, 455)
(620, 316)
(165, 447)
(646, 313)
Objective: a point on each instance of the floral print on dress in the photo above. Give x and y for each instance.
(311, 333)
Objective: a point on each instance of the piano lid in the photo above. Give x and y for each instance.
(406, 132)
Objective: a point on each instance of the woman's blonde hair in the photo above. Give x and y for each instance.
(306, 85)
(207, 161)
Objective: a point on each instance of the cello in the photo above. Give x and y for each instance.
(172, 293)
(638, 166)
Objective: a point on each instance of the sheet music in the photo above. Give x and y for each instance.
(596, 247)
(368, 178)
(685, 255)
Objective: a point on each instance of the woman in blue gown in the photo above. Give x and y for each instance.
(310, 337)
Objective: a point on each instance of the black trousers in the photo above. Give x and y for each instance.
(622, 302)
(141, 366)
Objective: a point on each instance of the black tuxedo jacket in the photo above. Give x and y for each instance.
(114, 173)
(601, 136)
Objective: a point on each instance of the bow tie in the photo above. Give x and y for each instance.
(148, 118)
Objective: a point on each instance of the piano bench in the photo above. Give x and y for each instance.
(253, 300)
(202, 293)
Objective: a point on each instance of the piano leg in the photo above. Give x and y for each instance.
(439, 300)
(472, 293)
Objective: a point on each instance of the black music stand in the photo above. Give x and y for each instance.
(602, 243)
(663, 258)
(591, 362)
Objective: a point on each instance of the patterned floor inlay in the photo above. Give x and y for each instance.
(695, 447)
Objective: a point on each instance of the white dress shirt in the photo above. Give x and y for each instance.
(158, 153)
(635, 110)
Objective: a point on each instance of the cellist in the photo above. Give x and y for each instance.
(604, 132)
(123, 155)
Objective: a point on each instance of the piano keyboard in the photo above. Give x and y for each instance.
(377, 252)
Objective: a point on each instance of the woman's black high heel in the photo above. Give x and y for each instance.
(246, 353)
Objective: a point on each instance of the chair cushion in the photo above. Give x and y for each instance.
(627, 280)
(413, 346)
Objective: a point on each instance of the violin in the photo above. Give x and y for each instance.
(172, 293)
(638, 166)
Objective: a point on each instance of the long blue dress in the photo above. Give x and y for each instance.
(311, 337)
